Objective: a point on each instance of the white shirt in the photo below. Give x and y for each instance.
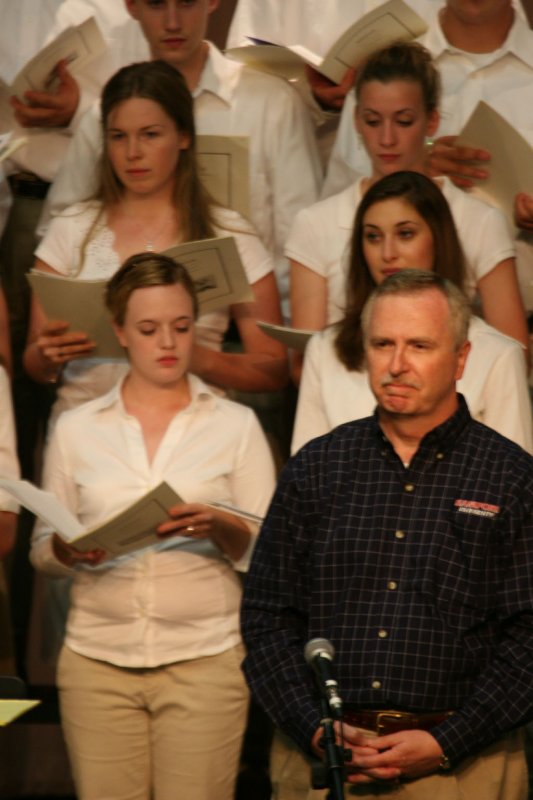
(307, 22)
(9, 466)
(503, 79)
(493, 383)
(320, 238)
(170, 602)
(26, 28)
(84, 379)
(231, 100)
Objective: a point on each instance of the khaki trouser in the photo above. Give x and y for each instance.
(497, 773)
(169, 732)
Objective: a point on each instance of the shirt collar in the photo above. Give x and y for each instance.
(443, 437)
(219, 75)
(519, 42)
(200, 393)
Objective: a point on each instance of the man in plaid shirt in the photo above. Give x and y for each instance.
(406, 539)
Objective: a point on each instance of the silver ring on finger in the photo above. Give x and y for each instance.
(190, 528)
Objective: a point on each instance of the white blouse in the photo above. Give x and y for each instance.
(175, 601)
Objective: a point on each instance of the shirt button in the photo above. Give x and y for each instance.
(392, 585)
(439, 456)
(409, 487)
(400, 534)
(376, 684)
(383, 634)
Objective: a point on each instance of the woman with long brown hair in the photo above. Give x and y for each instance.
(150, 199)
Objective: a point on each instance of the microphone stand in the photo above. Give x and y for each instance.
(334, 757)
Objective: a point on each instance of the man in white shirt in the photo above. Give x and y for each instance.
(484, 51)
(230, 100)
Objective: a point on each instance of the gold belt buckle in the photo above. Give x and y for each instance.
(380, 726)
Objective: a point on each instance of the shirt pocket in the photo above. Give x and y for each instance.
(463, 573)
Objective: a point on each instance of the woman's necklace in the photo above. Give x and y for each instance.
(150, 242)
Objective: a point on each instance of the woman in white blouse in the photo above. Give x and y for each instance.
(150, 199)
(404, 222)
(153, 702)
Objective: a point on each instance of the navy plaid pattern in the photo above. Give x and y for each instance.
(421, 577)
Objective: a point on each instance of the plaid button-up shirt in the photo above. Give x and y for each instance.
(420, 576)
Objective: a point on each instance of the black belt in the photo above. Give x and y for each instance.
(26, 184)
(391, 721)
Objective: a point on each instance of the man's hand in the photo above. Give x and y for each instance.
(408, 754)
(330, 96)
(447, 158)
(49, 109)
(523, 211)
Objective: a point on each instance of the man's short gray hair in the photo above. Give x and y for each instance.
(415, 281)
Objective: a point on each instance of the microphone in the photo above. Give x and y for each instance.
(319, 655)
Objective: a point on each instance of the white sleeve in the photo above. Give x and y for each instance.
(482, 230)
(58, 479)
(311, 419)
(256, 260)
(493, 240)
(253, 478)
(507, 404)
(77, 178)
(59, 249)
(304, 243)
(9, 466)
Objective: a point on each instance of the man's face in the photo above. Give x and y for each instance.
(477, 12)
(174, 29)
(412, 360)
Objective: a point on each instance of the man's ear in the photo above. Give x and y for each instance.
(462, 355)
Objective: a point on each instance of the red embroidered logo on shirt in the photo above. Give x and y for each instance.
(477, 508)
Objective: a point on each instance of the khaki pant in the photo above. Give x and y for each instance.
(497, 773)
(170, 732)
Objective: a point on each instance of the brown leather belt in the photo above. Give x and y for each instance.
(391, 721)
(26, 184)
